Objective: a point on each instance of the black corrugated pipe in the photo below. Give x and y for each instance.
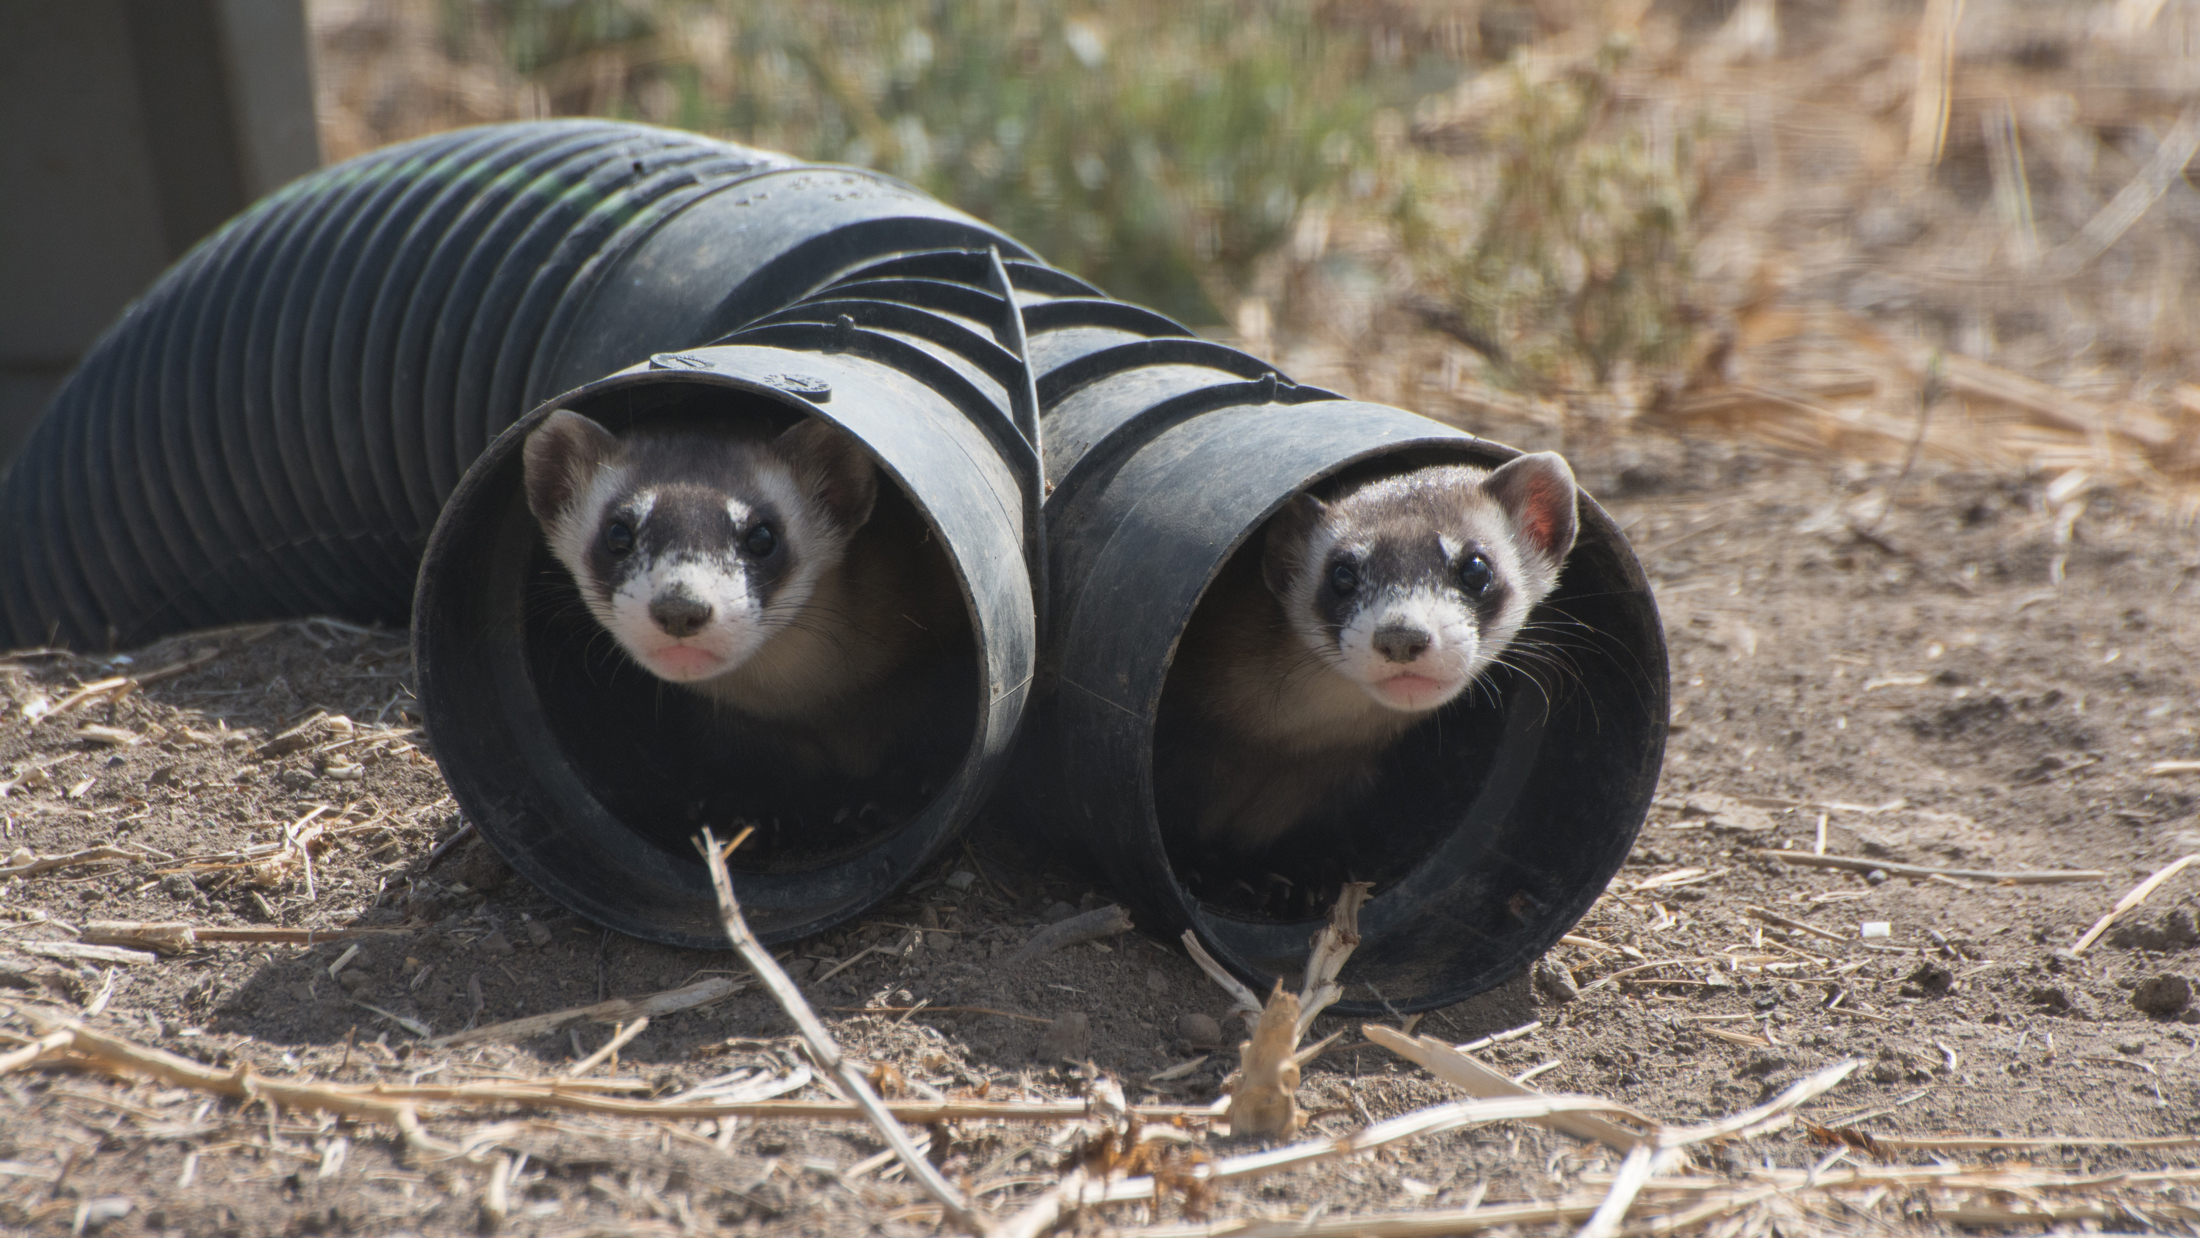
(1492, 828)
(1495, 826)
(273, 429)
(590, 778)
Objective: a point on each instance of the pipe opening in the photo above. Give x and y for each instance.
(590, 775)
(670, 760)
(1487, 828)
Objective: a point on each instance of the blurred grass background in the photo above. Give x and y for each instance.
(1835, 225)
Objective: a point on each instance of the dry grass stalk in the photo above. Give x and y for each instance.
(1648, 1154)
(75, 859)
(1241, 998)
(1854, 864)
(1431, 1224)
(1476, 1079)
(618, 1010)
(1936, 56)
(82, 951)
(2137, 896)
(1774, 918)
(1455, 1067)
(823, 1049)
(87, 1049)
(101, 1053)
(1435, 1119)
(270, 864)
(177, 937)
(619, 1040)
(1989, 1143)
(1262, 1100)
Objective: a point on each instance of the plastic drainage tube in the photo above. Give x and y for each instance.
(590, 778)
(272, 429)
(275, 428)
(1494, 827)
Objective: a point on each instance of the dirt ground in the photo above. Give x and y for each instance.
(1953, 670)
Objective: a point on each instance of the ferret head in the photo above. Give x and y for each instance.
(1410, 586)
(694, 546)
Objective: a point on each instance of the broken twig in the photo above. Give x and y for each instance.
(846, 1074)
(1853, 864)
(2137, 896)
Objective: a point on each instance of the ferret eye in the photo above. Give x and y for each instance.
(1476, 575)
(761, 541)
(618, 539)
(1344, 580)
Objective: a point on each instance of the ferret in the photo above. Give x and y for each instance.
(1362, 615)
(772, 574)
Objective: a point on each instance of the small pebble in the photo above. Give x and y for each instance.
(1875, 928)
(1877, 876)
(1199, 1029)
(1556, 981)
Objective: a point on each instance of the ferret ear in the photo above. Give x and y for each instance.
(831, 461)
(1283, 553)
(561, 455)
(1538, 492)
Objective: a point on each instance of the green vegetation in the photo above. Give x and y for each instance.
(1161, 148)
(1579, 256)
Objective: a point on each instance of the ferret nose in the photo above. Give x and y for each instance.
(679, 614)
(1400, 643)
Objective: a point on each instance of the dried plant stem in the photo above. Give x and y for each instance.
(1455, 1067)
(25, 1054)
(2131, 202)
(619, 1041)
(1434, 1224)
(1769, 917)
(85, 1047)
(175, 937)
(1436, 1119)
(90, 855)
(822, 1047)
(1462, 1071)
(2137, 896)
(1642, 1163)
(1854, 864)
(1262, 1092)
(1241, 997)
(1936, 54)
(78, 1048)
(1048, 1208)
(617, 1010)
